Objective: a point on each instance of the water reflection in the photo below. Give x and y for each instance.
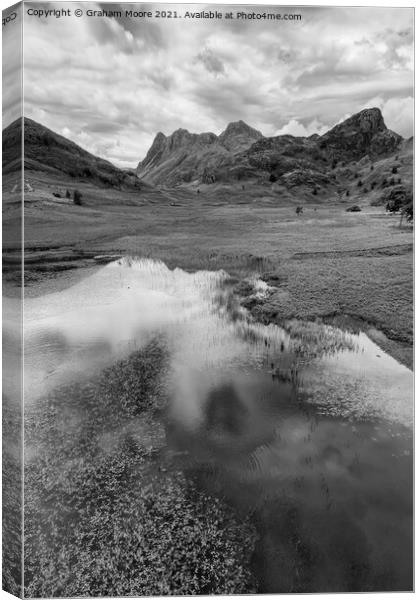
(306, 426)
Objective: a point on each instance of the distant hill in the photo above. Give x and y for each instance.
(50, 152)
(242, 153)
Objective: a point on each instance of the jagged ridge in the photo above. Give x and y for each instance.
(241, 152)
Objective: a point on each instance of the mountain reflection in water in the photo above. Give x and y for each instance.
(308, 427)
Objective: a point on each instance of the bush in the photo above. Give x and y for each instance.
(57, 194)
(359, 183)
(68, 194)
(347, 193)
(353, 208)
(77, 197)
(393, 205)
(315, 191)
(272, 178)
(394, 170)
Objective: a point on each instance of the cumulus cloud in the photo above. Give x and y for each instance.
(113, 83)
(294, 127)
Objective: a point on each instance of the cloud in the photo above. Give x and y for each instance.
(114, 82)
(294, 127)
(12, 66)
(211, 62)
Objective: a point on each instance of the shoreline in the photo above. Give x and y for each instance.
(49, 272)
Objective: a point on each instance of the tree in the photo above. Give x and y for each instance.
(315, 191)
(408, 211)
(394, 205)
(394, 170)
(359, 183)
(272, 178)
(68, 195)
(77, 197)
(299, 210)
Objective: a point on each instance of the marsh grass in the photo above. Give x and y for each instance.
(102, 518)
(11, 497)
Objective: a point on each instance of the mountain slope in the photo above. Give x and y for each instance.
(50, 152)
(242, 153)
(183, 156)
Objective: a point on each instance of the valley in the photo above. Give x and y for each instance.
(324, 262)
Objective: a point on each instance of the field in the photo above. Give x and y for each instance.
(323, 263)
(351, 269)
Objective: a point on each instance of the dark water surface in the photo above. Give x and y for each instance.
(309, 427)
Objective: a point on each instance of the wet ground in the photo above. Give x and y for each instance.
(307, 428)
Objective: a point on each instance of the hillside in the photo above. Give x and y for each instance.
(48, 152)
(243, 154)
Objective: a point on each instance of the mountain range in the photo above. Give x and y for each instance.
(242, 153)
(239, 157)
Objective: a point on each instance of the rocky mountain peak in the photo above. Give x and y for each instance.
(368, 121)
(239, 136)
(363, 133)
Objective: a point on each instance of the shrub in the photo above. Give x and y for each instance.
(57, 194)
(359, 183)
(77, 197)
(315, 191)
(394, 170)
(365, 190)
(68, 194)
(272, 178)
(372, 185)
(354, 208)
(347, 193)
(393, 205)
(371, 167)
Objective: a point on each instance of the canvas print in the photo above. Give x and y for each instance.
(207, 299)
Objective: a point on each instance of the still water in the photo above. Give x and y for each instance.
(306, 427)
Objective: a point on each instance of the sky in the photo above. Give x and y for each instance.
(111, 84)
